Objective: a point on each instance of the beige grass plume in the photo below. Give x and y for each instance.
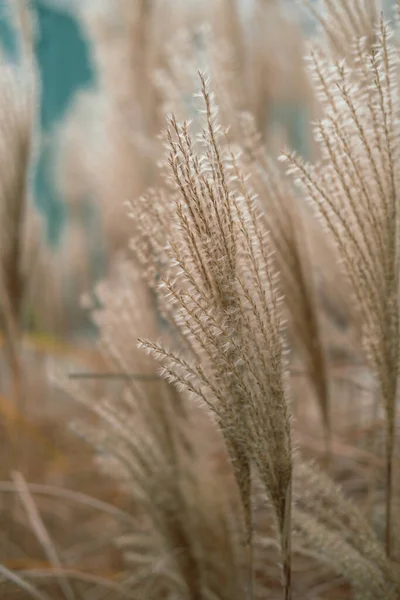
(288, 223)
(354, 189)
(226, 306)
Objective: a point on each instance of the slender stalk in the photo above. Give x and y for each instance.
(287, 544)
(390, 442)
(249, 549)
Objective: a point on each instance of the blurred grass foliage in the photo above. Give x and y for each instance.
(39, 443)
(63, 56)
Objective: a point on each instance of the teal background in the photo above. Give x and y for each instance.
(64, 60)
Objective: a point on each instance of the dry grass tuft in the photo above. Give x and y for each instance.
(203, 489)
(226, 307)
(354, 190)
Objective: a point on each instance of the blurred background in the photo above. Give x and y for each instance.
(102, 60)
(106, 73)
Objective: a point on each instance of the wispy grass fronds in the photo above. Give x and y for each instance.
(226, 306)
(187, 539)
(329, 526)
(285, 219)
(118, 314)
(344, 22)
(354, 189)
(42, 533)
(31, 591)
(191, 518)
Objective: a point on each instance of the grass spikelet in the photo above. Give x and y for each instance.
(227, 305)
(285, 219)
(328, 524)
(354, 189)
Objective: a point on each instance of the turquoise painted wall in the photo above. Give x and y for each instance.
(64, 62)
